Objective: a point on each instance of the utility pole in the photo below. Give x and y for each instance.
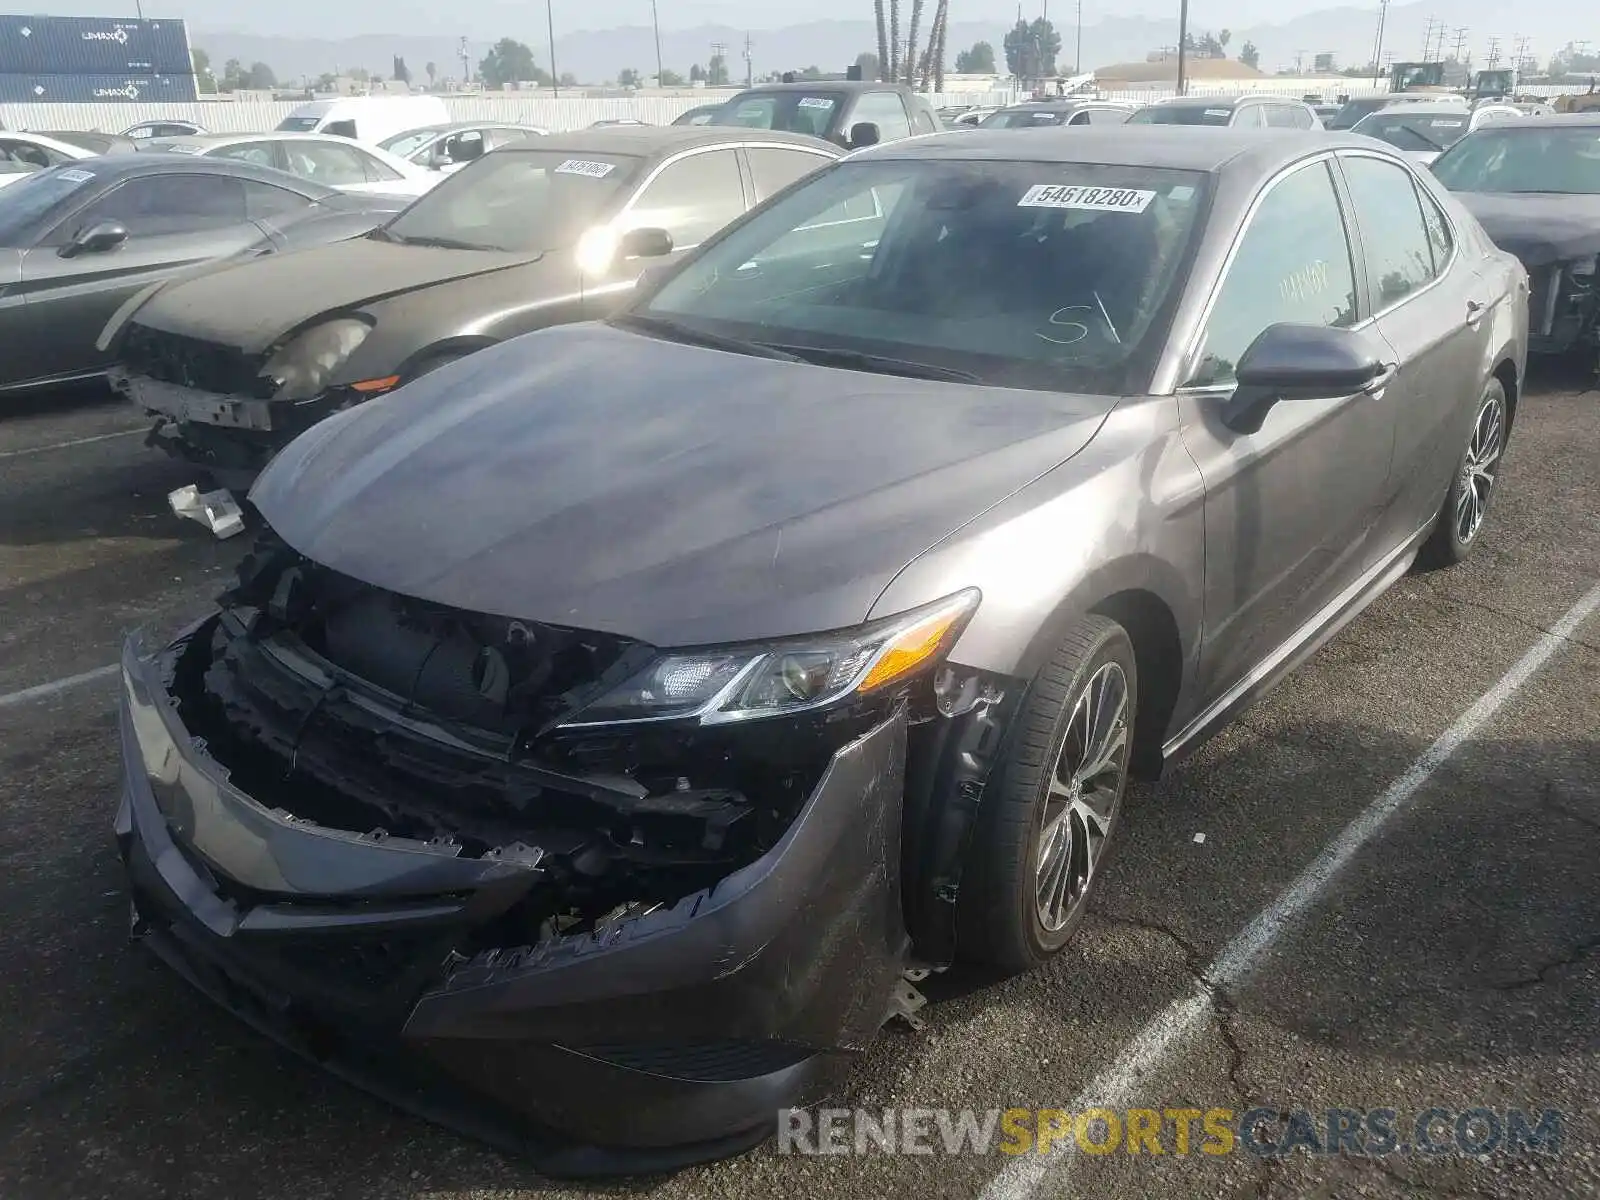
(656, 21)
(466, 62)
(1377, 45)
(1183, 52)
(550, 28)
(1522, 53)
(1494, 53)
(749, 62)
(1461, 42)
(1077, 58)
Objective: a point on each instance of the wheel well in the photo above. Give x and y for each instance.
(1158, 654)
(1506, 373)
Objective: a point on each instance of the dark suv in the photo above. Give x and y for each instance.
(840, 111)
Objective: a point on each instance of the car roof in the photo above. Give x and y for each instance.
(650, 141)
(261, 135)
(452, 126)
(117, 165)
(1424, 110)
(1184, 148)
(1207, 101)
(825, 85)
(1062, 103)
(1588, 120)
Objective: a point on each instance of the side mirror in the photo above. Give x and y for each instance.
(1301, 362)
(864, 133)
(646, 243)
(97, 239)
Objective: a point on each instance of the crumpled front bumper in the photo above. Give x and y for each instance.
(650, 1043)
(233, 437)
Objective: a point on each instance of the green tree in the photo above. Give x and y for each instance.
(717, 74)
(670, 78)
(1031, 48)
(868, 62)
(233, 75)
(205, 80)
(402, 73)
(510, 61)
(568, 79)
(811, 74)
(884, 56)
(977, 61)
(697, 73)
(1249, 55)
(433, 73)
(628, 78)
(260, 78)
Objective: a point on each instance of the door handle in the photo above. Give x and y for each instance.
(1384, 377)
(1475, 312)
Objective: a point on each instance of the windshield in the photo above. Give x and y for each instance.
(796, 112)
(1354, 110)
(298, 124)
(1404, 130)
(1181, 114)
(1538, 159)
(22, 203)
(1032, 275)
(517, 200)
(1024, 118)
(406, 144)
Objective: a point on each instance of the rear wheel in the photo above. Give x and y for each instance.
(1466, 504)
(1045, 827)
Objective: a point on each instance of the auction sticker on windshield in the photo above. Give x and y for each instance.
(583, 166)
(76, 176)
(814, 102)
(1095, 199)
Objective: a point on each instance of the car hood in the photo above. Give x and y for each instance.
(602, 479)
(1539, 228)
(252, 305)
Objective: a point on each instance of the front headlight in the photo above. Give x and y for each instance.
(737, 683)
(302, 368)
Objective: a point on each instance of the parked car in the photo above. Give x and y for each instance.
(607, 721)
(21, 154)
(1047, 113)
(332, 161)
(1423, 133)
(848, 114)
(556, 229)
(448, 148)
(78, 241)
(699, 115)
(368, 119)
(1534, 185)
(1357, 107)
(167, 128)
(1240, 112)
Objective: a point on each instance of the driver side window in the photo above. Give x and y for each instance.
(1292, 265)
(163, 204)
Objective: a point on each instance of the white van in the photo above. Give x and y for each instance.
(368, 119)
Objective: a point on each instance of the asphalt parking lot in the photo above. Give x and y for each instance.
(1453, 961)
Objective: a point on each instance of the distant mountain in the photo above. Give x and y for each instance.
(599, 55)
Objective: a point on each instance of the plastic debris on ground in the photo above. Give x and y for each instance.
(217, 510)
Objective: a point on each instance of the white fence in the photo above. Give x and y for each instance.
(572, 112)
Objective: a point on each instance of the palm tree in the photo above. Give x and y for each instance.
(883, 39)
(936, 45)
(911, 63)
(894, 40)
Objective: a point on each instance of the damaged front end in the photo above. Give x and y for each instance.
(362, 820)
(1563, 306)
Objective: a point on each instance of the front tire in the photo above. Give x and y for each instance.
(1052, 808)
(1466, 504)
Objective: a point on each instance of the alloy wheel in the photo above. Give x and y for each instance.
(1085, 789)
(1478, 468)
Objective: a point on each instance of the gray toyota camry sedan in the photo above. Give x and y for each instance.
(608, 723)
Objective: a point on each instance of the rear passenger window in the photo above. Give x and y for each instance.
(1280, 116)
(884, 110)
(344, 129)
(925, 123)
(1249, 117)
(1398, 250)
(774, 170)
(1293, 265)
(266, 201)
(1440, 239)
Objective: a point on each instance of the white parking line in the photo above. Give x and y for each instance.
(1117, 1086)
(99, 437)
(55, 686)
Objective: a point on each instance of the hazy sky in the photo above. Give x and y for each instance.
(482, 18)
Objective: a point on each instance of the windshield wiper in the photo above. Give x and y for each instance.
(677, 331)
(859, 360)
(443, 243)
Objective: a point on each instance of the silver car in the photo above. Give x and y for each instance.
(665, 688)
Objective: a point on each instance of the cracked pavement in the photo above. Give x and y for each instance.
(1455, 962)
